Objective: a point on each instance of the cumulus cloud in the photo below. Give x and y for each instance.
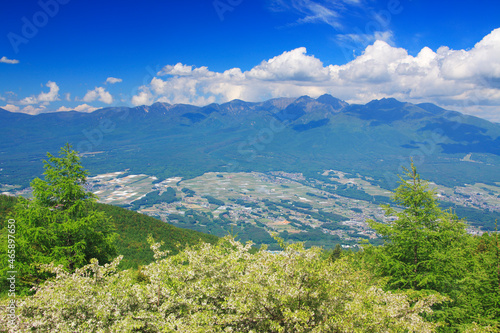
(480, 62)
(39, 104)
(33, 110)
(465, 80)
(29, 109)
(45, 98)
(184, 70)
(79, 108)
(113, 80)
(144, 97)
(292, 65)
(99, 93)
(5, 60)
(11, 108)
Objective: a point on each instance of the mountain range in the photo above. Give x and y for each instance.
(290, 134)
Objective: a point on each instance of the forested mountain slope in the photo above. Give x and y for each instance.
(291, 134)
(133, 230)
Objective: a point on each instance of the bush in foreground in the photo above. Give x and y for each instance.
(222, 288)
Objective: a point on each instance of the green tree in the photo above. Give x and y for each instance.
(416, 235)
(426, 249)
(60, 223)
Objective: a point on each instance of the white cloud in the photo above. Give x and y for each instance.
(52, 95)
(292, 65)
(99, 93)
(113, 80)
(79, 108)
(29, 109)
(145, 97)
(316, 12)
(465, 80)
(33, 110)
(480, 62)
(309, 11)
(11, 108)
(183, 70)
(45, 98)
(8, 61)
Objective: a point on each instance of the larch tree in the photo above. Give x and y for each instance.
(416, 236)
(60, 223)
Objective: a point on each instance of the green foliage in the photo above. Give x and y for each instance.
(214, 201)
(336, 253)
(352, 192)
(7, 204)
(222, 226)
(477, 217)
(427, 249)
(153, 198)
(222, 288)
(245, 203)
(189, 192)
(133, 229)
(416, 234)
(60, 224)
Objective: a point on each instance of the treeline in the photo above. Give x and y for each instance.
(214, 201)
(346, 190)
(132, 230)
(486, 219)
(154, 198)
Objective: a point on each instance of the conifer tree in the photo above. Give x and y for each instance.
(426, 249)
(60, 223)
(416, 235)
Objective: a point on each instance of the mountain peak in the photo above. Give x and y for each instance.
(386, 103)
(304, 98)
(336, 103)
(236, 102)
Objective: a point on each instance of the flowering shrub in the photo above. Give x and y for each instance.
(221, 288)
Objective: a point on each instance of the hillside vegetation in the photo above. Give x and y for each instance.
(132, 230)
(429, 275)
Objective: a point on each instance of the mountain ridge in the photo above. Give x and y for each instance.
(301, 134)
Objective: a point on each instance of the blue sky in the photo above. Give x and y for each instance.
(75, 54)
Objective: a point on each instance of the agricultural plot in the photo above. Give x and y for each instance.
(252, 186)
(254, 204)
(112, 188)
